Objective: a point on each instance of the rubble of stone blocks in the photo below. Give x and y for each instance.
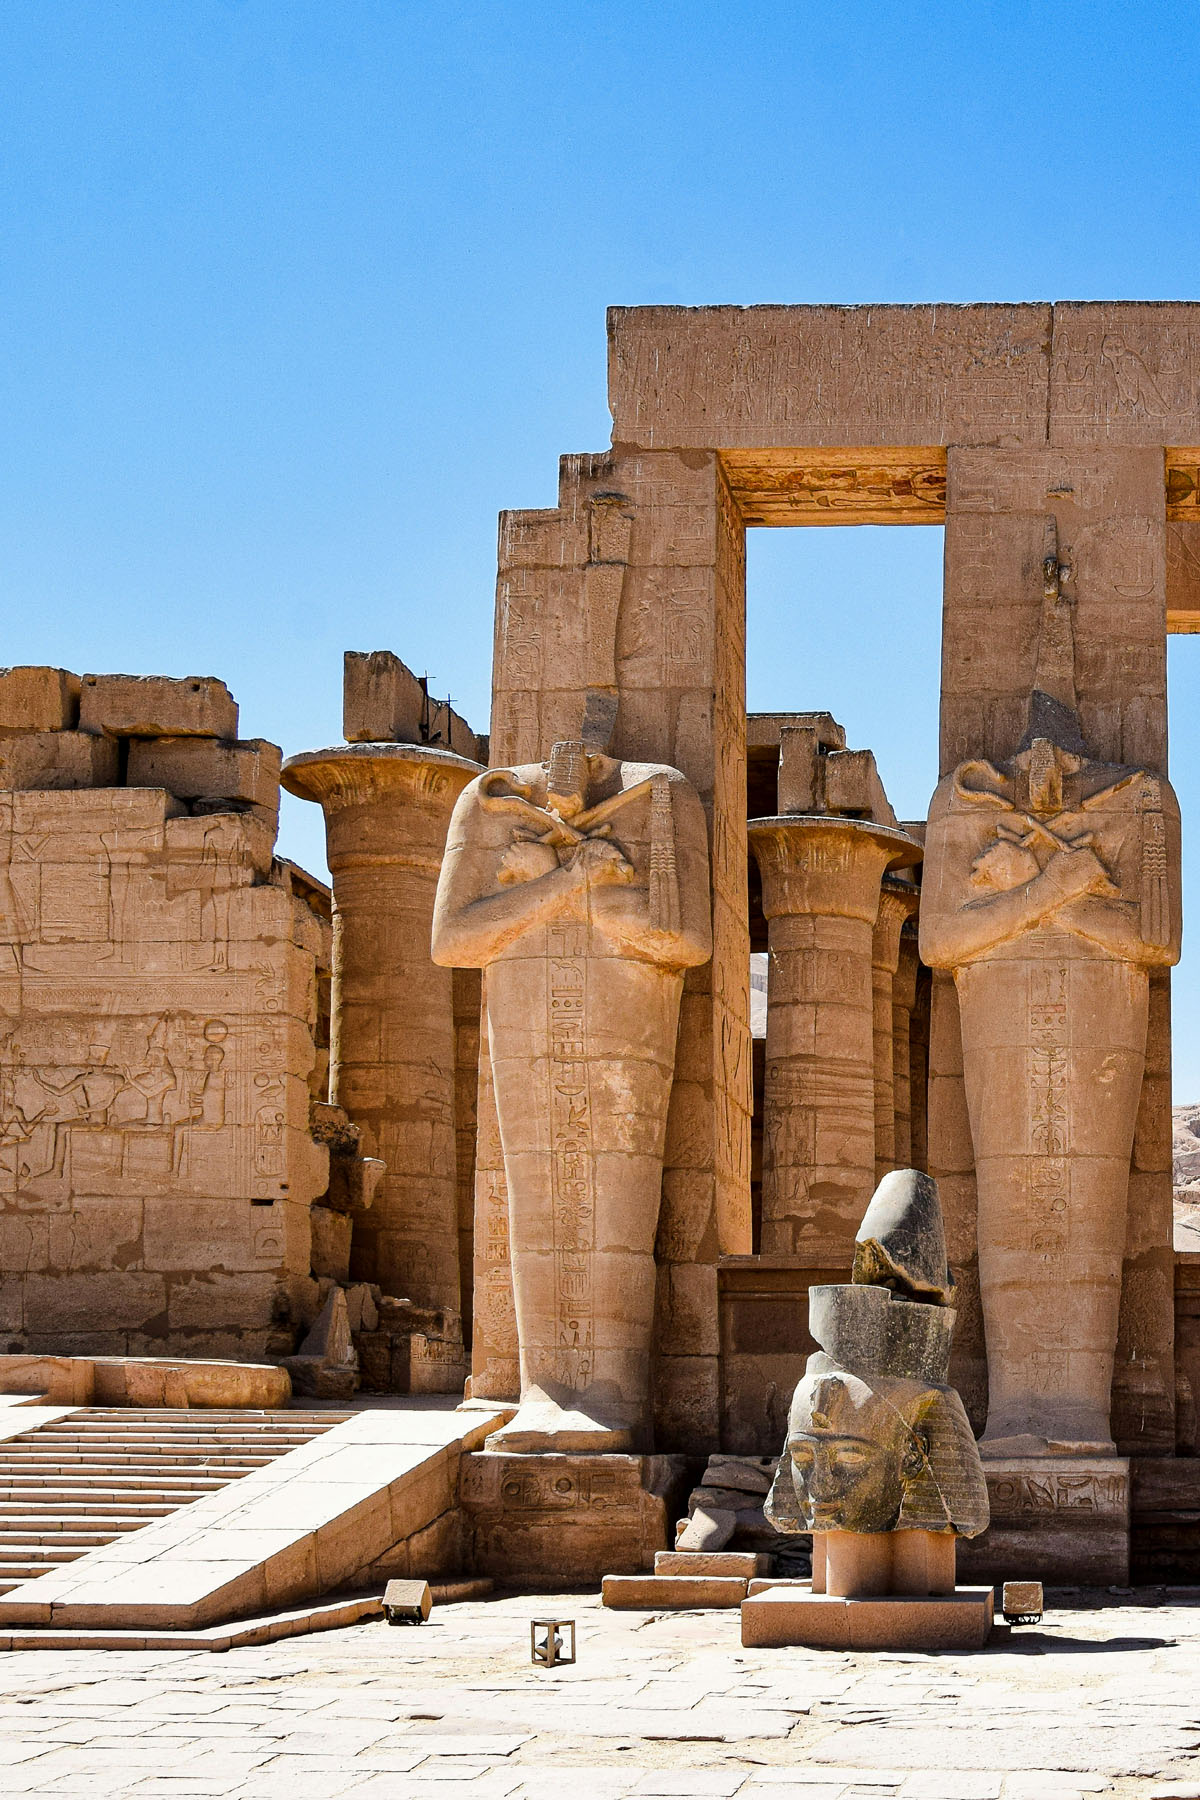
(725, 1509)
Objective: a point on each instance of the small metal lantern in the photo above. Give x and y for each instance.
(548, 1650)
(1022, 1602)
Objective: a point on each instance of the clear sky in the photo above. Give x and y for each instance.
(295, 296)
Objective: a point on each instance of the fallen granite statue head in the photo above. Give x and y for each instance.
(877, 1438)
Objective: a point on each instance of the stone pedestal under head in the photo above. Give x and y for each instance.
(880, 1462)
(581, 886)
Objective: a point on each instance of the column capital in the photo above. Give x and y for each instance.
(825, 863)
(383, 803)
(898, 901)
(356, 774)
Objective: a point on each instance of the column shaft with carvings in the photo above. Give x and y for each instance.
(904, 998)
(821, 882)
(897, 904)
(393, 1058)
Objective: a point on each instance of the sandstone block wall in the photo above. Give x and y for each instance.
(158, 1003)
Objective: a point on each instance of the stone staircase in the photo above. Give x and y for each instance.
(85, 1479)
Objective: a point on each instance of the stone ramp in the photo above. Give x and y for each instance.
(76, 1479)
(372, 1495)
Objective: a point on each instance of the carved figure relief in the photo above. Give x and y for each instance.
(1051, 891)
(581, 885)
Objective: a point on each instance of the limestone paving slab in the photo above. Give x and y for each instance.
(1099, 1700)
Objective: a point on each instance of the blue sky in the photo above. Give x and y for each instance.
(295, 297)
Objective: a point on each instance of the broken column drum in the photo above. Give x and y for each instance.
(392, 1059)
(821, 883)
(581, 887)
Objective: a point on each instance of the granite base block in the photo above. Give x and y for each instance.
(780, 1616)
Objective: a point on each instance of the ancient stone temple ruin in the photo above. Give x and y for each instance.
(492, 1108)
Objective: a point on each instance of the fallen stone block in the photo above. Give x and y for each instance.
(407, 1602)
(326, 1367)
(61, 1380)
(709, 1528)
(651, 1593)
(746, 1564)
(157, 706)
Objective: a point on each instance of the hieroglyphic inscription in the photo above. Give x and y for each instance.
(1056, 1491)
(1049, 1060)
(572, 1160)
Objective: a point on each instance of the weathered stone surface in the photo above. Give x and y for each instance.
(383, 701)
(159, 998)
(669, 1592)
(785, 1615)
(330, 1242)
(759, 376)
(745, 1564)
(157, 706)
(38, 699)
(1056, 1519)
(581, 887)
(326, 1364)
(1051, 893)
(198, 768)
(821, 886)
(545, 1521)
(708, 1528)
(393, 1068)
(33, 760)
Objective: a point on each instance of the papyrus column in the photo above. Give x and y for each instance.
(392, 1059)
(897, 903)
(904, 998)
(821, 882)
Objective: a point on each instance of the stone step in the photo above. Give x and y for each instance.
(30, 1551)
(384, 1490)
(134, 1466)
(158, 1492)
(122, 1506)
(173, 1440)
(744, 1563)
(37, 1534)
(104, 1522)
(655, 1593)
(116, 1482)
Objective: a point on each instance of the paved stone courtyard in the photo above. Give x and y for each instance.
(1100, 1699)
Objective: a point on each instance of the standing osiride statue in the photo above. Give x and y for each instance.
(1051, 892)
(581, 886)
